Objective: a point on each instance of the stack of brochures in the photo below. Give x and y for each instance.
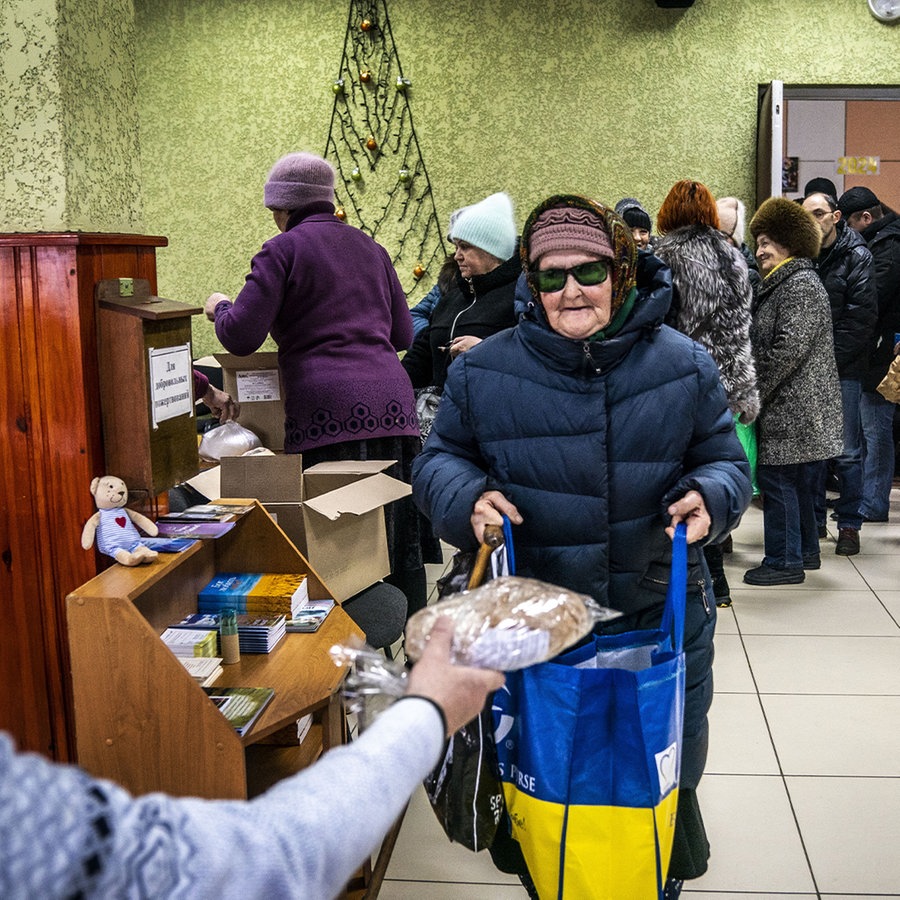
(207, 512)
(203, 669)
(256, 634)
(191, 643)
(208, 521)
(311, 616)
(257, 594)
(242, 706)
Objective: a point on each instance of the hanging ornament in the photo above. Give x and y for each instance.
(371, 143)
(402, 84)
(404, 176)
(341, 213)
(365, 25)
(365, 76)
(356, 175)
(419, 271)
(337, 87)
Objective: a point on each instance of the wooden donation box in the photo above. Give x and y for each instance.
(146, 386)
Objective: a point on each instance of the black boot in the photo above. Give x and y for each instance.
(721, 591)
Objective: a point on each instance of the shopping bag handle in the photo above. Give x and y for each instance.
(676, 595)
(494, 536)
(508, 541)
(492, 539)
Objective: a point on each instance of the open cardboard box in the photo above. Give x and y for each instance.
(333, 512)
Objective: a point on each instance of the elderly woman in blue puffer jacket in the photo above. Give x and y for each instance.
(596, 429)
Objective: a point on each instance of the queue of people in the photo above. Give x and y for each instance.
(592, 379)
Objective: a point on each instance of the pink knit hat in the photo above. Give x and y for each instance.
(298, 179)
(569, 228)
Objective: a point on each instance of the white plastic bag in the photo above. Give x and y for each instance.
(229, 439)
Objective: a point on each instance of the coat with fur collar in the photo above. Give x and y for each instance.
(712, 306)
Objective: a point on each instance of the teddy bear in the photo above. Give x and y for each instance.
(114, 525)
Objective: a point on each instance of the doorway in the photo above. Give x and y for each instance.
(848, 134)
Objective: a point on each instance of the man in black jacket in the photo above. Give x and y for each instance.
(845, 267)
(879, 226)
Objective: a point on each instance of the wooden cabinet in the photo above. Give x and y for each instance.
(50, 448)
(150, 452)
(142, 721)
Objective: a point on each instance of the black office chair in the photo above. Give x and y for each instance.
(380, 610)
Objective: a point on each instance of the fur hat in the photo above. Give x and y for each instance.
(297, 180)
(857, 199)
(732, 218)
(789, 224)
(488, 225)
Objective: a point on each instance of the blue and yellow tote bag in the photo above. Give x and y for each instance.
(589, 746)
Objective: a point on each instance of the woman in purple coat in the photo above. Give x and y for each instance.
(329, 296)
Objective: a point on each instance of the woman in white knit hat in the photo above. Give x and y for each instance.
(480, 300)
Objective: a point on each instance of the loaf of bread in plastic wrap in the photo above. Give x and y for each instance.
(509, 623)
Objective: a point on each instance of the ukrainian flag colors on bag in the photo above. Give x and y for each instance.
(589, 746)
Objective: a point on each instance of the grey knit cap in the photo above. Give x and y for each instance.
(297, 180)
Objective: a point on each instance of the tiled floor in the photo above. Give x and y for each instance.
(801, 795)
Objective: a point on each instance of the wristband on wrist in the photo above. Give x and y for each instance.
(435, 704)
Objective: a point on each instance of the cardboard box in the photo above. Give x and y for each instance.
(333, 512)
(254, 381)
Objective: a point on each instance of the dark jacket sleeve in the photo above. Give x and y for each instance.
(421, 312)
(449, 475)
(201, 385)
(854, 329)
(887, 285)
(715, 464)
(418, 361)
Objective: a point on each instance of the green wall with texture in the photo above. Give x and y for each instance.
(69, 148)
(605, 97)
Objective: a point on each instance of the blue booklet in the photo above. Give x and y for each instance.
(168, 545)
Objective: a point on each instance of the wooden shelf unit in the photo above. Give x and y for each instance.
(50, 448)
(142, 721)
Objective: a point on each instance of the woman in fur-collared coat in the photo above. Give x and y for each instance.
(801, 419)
(712, 306)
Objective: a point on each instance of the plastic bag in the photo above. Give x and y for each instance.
(229, 439)
(427, 401)
(509, 623)
(464, 788)
(749, 441)
(889, 388)
(373, 682)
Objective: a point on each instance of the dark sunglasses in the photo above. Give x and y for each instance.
(549, 281)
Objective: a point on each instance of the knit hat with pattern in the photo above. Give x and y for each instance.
(297, 180)
(488, 225)
(600, 218)
(569, 228)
